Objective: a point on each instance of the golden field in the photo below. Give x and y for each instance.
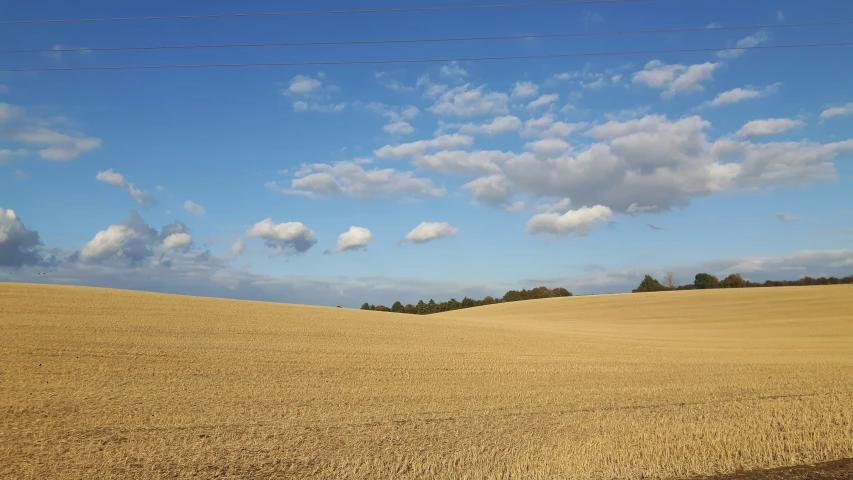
(98, 383)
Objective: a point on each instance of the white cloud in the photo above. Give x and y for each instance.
(400, 127)
(590, 16)
(770, 126)
(740, 94)
(353, 239)
(18, 244)
(543, 101)
(283, 238)
(573, 222)
(7, 154)
(428, 231)
(61, 147)
(440, 142)
(58, 50)
(780, 17)
(350, 178)
(9, 112)
(453, 69)
(746, 42)
(463, 162)
(655, 161)
(676, 78)
(837, 111)
(464, 101)
(786, 217)
(499, 125)
(525, 89)
(493, 189)
(177, 241)
(236, 248)
(194, 208)
(548, 147)
(548, 126)
(116, 179)
(303, 85)
(637, 208)
(303, 106)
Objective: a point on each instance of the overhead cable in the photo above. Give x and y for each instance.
(422, 60)
(426, 40)
(321, 12)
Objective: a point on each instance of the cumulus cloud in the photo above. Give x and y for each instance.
(177, 241)
(499, 125)
(18, 244)
(463, 162)
(737, 95)
(493, 189)
(453, 69)
(303, 85)
(194, 208)
(655, 161)
(543, 101)
(525, 89)
(353, 239)
(429, 231)
(303, 106)
(770, 126)
(7, 154)
(350, 178)
(746, 42)
(465, 101)
(548, 147)
(837, 111)
(116, 179)
(283, 238)
(440, 142)
(133, 240)
(548, 126)
(676, 78)
(573, 222)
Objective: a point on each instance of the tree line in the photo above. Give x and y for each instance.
(426, 308)
(704, 281)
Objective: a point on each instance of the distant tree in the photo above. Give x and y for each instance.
(338, 306)
(705, 280)
(467, 302)
(669, 280)
(381, 308)
(649, 284)
(513, 296)
(421, 308)
(561, 292)
(487, 300)
(397, 307)
(733, 281)
(432, 307)
(410, 309)
(365, 306)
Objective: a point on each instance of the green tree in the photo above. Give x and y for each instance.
(381, 308)
(397, 307)
(733, 281)
(649, 284)
(365, 306)
(422, 308)
(487, 300)
(467, 302)
(705, 280)
(561, 292)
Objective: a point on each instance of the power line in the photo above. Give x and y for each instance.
(424, 60)
(428, 40)
(323, 12)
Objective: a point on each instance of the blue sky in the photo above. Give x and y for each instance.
(583, 172)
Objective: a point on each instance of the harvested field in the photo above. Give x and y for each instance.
(98, 383)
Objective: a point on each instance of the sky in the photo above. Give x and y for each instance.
(343, 184)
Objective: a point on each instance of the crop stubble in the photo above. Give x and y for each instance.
(116, 384)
